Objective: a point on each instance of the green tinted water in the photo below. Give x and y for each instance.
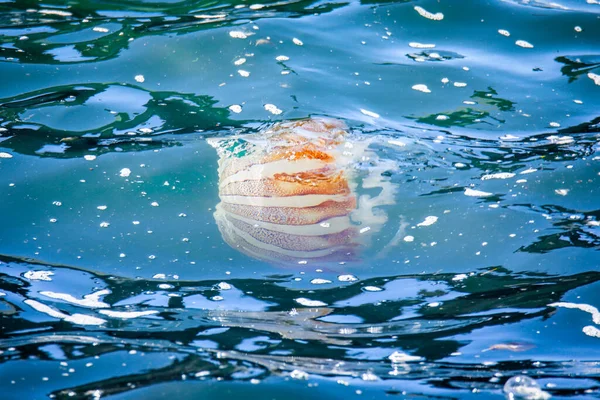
(500, 142)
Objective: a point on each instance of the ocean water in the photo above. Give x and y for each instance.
(481, 260)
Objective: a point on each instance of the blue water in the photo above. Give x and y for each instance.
(117, 281)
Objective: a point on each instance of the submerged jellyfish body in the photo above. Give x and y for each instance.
(289, 193)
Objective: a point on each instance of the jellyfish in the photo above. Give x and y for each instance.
(290, 194)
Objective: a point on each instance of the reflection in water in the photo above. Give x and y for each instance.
(250, 328)
(290, 194)
(67, 121)
(97, 31)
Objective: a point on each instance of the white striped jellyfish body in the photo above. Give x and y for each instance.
(289, 193)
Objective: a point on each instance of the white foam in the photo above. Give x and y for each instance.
(90, 300)
(430, 220)
(38, 275)
(309, 303)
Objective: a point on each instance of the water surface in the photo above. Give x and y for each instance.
(116, 282)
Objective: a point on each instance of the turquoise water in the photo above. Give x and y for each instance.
(116, 281)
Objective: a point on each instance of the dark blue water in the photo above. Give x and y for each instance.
(472, 140)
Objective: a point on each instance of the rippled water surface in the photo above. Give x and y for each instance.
(477, 258)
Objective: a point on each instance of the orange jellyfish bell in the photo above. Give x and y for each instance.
(288, 193)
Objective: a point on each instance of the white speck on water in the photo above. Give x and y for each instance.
(528, 171)
(135, 222)
(476, 193)
(319, 281)
(102, 208)
(459, 277)
(372, 289)
(223, 286)
(560, 139)
(430, 220)
(99, 29)
(53, 220)
(512, 235)
(104, 224)
(210, 16)
(256, 6)
(554, 124)
(140, 78)
(159, 276)
(409, 239)
(562, 192)
(460, 84)
(365, 229)
(272, 108)
(89, 157)
(421, 88)
(424, 13)
(60, 13)
(347, 278)
(509, 137)
(165, 286)
(239, 34)
(369, 376)
(182, 215)
(504, 32)
(445, 80)
(243, 73)
(521, 181)
(577, 101)
(434, 304)
(397, 143)
(578, 29)
(459, 165)
(127, 314)
(309, 303)
(297, 42)
(125, 172)
(239, 61)
(38, 275)
(57, 203)
(298, 374)
(282, 58)
(369, 113)
(151, 257)
(398, 357)
(417, 45)
(498, 175)
(122, 255)
(594, 77)
(524, 44)
(236, 108)
(154, 204)
(442, 117)
(4, 154)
